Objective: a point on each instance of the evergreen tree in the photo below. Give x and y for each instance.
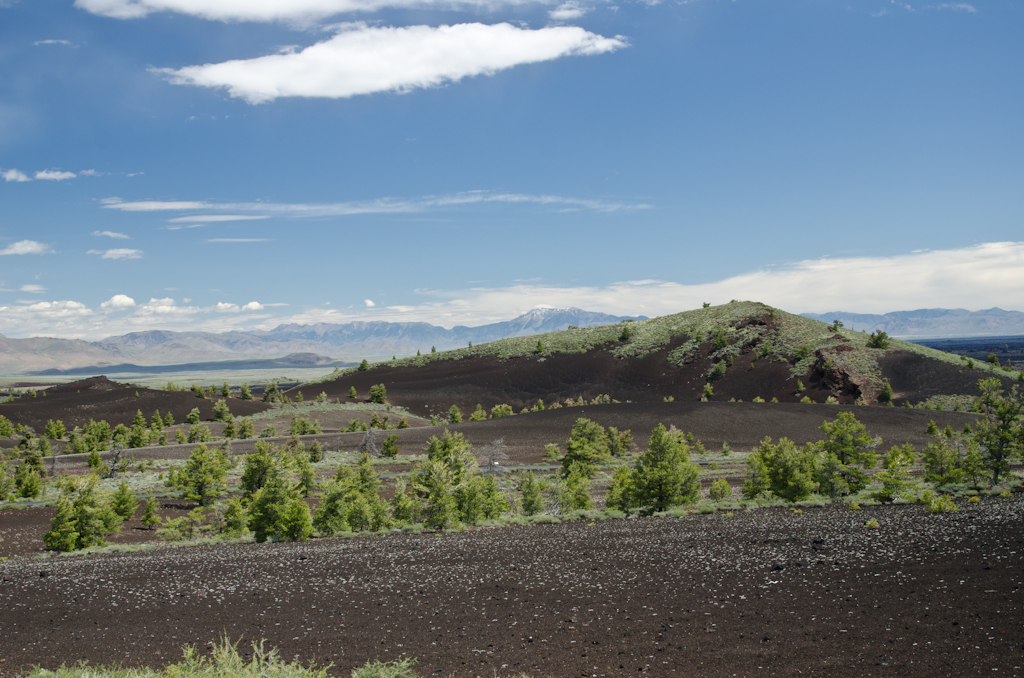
(719, 490)
(245, 429)
(389, 450)
(124, 503)
(246, 393)
(221, 411)
(364, 365)
(352, 392)
(783, 470)
(405, 509)
(664, 475)
(27, 482)
(378, 394)
(225, 391)
(169, 419)
(157, 422)
(149, 516)
(503, 410)
(316, 452)
(256, 468)
(235, 521)
(403, 423)
(55, 430)
(587, 446)
(847, 444)
(1000, 432)
(275, 511)
(479, 414)
(193, 416)
(84, 517)
(533, 498)
(454, 415)
(202, 478)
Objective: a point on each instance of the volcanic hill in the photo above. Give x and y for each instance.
(742, 350)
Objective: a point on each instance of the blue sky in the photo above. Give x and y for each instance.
(219, 164)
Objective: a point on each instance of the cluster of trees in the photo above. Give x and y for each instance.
(454, 414)
(841, 463)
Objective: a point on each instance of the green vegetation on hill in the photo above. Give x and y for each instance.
(730, 329)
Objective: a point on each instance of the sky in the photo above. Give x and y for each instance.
(234, 164)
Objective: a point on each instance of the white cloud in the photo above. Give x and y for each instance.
(568, 11)
(89, 173)
(34, 289)
(365, 59)
(378, 206)
(54, 42)
(991, 274)
(54, 175)
(254, 306)
(226, 308)
(238, 240)
(120, 253)
(270, 10)
(15, 175)
(111, 234)
(216, 217)
(118, 302)
(369, 303)
(25, 247)
(958, 7)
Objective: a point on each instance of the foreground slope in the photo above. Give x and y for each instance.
(742, 350)
(767, 592)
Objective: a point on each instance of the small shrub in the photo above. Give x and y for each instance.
(871, 524)
(973, 500)
(942, 504)
(854, 506)
(720, 489)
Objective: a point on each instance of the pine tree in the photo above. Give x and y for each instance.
(225, 391)
(378, 394)
(246, 393)
(352, 392)
(454, 415)
(193, 416)
(479, 414)
(169, 419)
(202, 478)
(403, 423)
(389, 450)
(149, 516)
(533, 498)
(587, 446)
(124, 502)
(664, 475)
(364, 365)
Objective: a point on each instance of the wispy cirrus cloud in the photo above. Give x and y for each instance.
(111, 234)
(378, 206)
(958, 7)
(25, 247)
(238, 240)
(272, 10)
(212, 218)
(32, 289)
(363, 59)
(52, 41)
(117, 253)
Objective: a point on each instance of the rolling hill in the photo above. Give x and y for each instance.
(742, 350)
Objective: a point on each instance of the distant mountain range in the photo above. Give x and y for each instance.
(932, 322)
(344, 342)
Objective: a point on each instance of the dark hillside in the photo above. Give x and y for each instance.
(99, 398)
(744, 350)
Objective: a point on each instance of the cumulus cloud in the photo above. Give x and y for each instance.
(369, 303)
(15, 175)
(221, 307)
(111, 234)
(117, 302)
(364, 59)
(34, 289)
(254, 306)
(54, 175)
(119, 253)
(991, 274)
(269, 10)
(568, 11)
(25, 247)
(263, 210)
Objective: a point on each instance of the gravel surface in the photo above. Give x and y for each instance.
(767, 592)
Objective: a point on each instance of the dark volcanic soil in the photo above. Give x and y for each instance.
(918, 378)
(742, 425)
(764, 593)
(519, 382)
(99, 398)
